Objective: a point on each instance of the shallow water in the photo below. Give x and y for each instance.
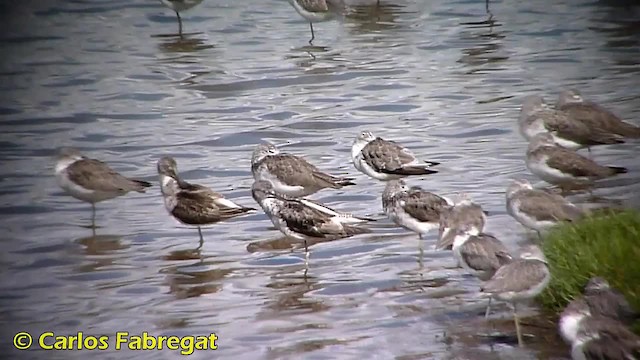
(442, 78)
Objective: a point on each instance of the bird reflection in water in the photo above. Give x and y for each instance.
(200, 278)
(284, 243)
(100, 251)
(370, 19)
(177, 44)
(484, 44)
(288, 295)
(101, 244)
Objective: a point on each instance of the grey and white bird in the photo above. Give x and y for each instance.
(193, 204)
(536, 117)
(604, 300)
(480, 255)
(290, 174)
(319, 11)
(538, 209)
(385, 159)
(303, 219)
(520, 280)
(179, 6)
(563, 167)
(596, 337)
(412, 207)
(92, 180)
(593, 115)
(464, 217)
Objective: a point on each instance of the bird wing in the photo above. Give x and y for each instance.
(423, 205)
(545, 206)
(573, 163)
(386, 156)
(96, 175)
(578, 131)
(305, 220)
(517, 276)
(314, 5)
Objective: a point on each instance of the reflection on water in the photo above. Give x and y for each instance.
(443, 78)
(184, 44)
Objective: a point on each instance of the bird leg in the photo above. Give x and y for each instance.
(306, 254)
(313, 36)
(201, 239)
(93, 216)
(488, 311)
(518, 331)
(179, 24)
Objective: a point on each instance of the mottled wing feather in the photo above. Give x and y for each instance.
(605, 348)
(465, 217)
(196, 209)
(573, 163)
(330, 180)
(544, 206)
(303, 219)
(595, 115)
(516, 276)
(589, 113)
(187, 186)
(314, 5)
(96, 175)
(291, 170)
(611, 304)
(485, 253)
(578, 131)
(386, 156)
(424, 206)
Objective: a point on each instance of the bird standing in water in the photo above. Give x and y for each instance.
(318, 10)
(180, 5)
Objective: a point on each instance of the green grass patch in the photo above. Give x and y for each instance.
(606, 245)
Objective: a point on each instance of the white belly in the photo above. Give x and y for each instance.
(280, 187)
(362, 165)
(180, 5)
(403, 219)
(540, 168)
(312, 16)
(567, 144)
(526, 220)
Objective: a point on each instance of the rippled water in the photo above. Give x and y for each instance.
(438, 76)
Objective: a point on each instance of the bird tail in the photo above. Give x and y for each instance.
(332, 181)
(411, 170)
(232, 211)
(445, 240)
(345, 181)
(355, 230)
(617, 170)
(628, 130)
(140, 185)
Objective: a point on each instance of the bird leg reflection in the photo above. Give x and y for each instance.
(488, 311)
